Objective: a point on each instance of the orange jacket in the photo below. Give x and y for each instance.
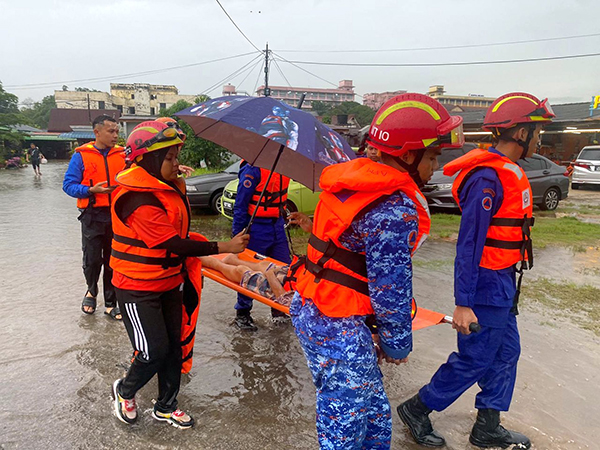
(275, 196)
(98, 167)
(334, 277)
(508, 237)
(130, 256)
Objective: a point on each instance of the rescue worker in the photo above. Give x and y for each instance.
(151, 221)
(493, 247)
(90, 179)
(370, 219)
(267, 232)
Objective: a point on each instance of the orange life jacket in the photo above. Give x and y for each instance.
(130, 256)
(508, 238)
(275, 196)
(336, 278)
(96, 168)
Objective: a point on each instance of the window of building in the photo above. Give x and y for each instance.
(152, 97)
(152, 111)
(101, 105)
(163, 106)
(132, 97)
(120, 108)
(131, 110)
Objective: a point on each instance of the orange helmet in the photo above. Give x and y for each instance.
(414, 122)
(516, 108)
(151, 136)
(169, 121)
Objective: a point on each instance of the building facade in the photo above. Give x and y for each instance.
(471, 101)
(375, 100)
(291, 95)
(137, 99)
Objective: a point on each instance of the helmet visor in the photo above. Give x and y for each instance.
(542, 112)
(455, 138)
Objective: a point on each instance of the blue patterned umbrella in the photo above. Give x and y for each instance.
(270, 134)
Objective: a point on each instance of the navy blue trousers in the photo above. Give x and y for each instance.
(268, 239)
(488, 358)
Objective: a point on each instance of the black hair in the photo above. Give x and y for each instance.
(103, 118)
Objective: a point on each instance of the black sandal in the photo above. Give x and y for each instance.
(90, 302)
(114, 313)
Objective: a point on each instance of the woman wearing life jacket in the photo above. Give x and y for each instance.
(493, 246)
(151, 221)
(370, 219)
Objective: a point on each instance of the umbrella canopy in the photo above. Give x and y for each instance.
(258, 128)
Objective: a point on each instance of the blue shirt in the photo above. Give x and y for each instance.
(74, 175)
(385, 234)
(249, 177)
(489, 293)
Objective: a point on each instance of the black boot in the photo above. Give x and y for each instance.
(415, 415)
(279, 317)
(243, 320)
(487, 432)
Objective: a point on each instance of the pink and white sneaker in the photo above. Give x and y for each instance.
(177, 418)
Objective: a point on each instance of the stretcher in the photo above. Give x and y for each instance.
(423, 318)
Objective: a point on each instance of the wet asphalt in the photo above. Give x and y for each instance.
(246, 391)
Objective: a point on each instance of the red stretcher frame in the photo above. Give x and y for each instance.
(423, 319)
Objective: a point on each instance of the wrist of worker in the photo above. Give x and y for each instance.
(394, 352)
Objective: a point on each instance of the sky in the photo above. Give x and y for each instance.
(59, 42)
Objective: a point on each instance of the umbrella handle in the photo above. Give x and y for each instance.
(262, 194)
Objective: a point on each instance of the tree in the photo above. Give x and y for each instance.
(39, 113)
(10, 140)
(84, 89)
(197, 149)
(363, 114)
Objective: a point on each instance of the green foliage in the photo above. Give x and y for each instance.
(84, 89)
(10, 141)
(39, 113)
(197, 149)
(363, 114)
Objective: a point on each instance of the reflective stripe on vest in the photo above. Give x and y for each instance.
(334, 277)
(275, 195)
(97, 168)
(130, 256)
(508, 239)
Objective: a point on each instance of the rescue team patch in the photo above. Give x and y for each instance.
(247, 184)
(489, 191)
(526, 199)
(412, 238)
(487, 203)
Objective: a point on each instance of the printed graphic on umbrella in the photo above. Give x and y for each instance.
(267, 133)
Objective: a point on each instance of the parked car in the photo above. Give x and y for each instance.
(205, 191)
(300, 198)
(549, 181)
(586, 169)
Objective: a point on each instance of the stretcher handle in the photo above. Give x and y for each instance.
(473, 327)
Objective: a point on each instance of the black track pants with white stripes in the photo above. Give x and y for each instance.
(153, 322)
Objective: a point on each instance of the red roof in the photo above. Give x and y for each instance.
(61, 119)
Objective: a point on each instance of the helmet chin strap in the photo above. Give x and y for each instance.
(412, 169)
(524, 144)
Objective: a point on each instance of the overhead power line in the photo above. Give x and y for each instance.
(238, 28)
(462, 63)
(115, 77)
(449, 47)
(231, 75)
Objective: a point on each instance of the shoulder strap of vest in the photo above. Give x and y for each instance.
(356, 262)
(126, 205)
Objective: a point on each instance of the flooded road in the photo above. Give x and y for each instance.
(246, 391)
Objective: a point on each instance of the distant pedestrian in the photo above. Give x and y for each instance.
(90, 178)
(34, 155)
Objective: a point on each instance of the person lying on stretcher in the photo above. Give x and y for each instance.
(263, 278)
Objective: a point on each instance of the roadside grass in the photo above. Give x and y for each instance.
(201, 171)
(562, 231)
(579, 303)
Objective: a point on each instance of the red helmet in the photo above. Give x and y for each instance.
(516, 108)
(169, 121)
(150, 136)
(414, 122)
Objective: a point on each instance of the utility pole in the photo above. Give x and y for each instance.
(267, 90)
(89, 112)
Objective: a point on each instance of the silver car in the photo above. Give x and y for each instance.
(586, 169)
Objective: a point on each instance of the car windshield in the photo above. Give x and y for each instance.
(590, 153)
(234, 168)
(449, 154)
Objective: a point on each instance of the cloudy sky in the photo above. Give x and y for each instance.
(62, 41)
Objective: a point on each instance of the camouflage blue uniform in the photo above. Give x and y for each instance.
(353, 411)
